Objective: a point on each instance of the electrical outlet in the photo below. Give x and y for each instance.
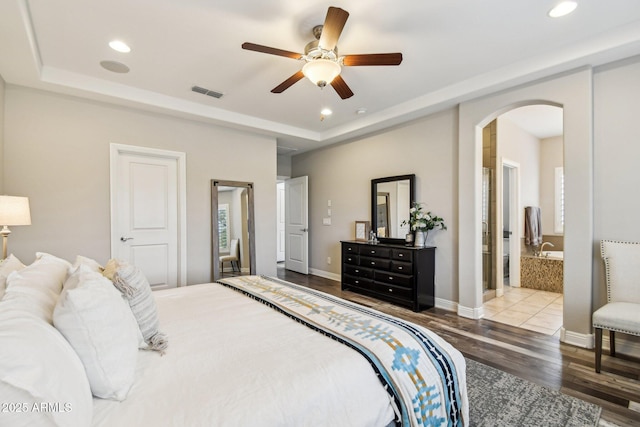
(328, 260)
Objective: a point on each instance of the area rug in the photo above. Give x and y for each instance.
(497, 398)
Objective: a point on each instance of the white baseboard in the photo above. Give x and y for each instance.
(471, 313)
(326, 274)
(445, 304)
(576, 338)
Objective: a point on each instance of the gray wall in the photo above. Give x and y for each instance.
(616, 155)
(343, 174)
(57, 153)
(2, 89)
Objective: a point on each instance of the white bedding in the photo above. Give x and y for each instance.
(234, 362)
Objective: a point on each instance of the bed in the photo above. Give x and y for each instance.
(258, 351)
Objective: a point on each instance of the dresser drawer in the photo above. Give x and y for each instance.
(357, 271)
(350, 259)
(401, 254)
(374, 251)
(393, 291)
(393, 278)
(350, 248)
(357, 281)
(401, 267)
(380, 263)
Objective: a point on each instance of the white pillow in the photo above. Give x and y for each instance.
(97, 322)
(34, 289)
(130, 280)
(91, 263)
(40, 371)
(8, 266)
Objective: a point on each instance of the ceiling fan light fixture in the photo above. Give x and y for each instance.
(321, 71)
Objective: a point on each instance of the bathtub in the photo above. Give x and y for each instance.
(543, 272)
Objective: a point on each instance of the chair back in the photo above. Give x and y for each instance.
(622, 269)
(234, 249)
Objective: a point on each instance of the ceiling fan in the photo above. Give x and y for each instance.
(322, 62)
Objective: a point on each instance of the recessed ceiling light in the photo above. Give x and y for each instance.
(119, 46)
(563, 8)
(326, 112)
(114, 66)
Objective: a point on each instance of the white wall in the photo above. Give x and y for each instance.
(519, 146)
(343, 174)
(551, 157)
(57, 153)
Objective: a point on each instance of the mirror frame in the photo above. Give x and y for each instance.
(374, 197)
(215, 249)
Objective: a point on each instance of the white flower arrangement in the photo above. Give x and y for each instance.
(423, 221)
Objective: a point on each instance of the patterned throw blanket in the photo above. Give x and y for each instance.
(413, 363)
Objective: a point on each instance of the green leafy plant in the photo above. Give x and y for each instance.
(423, 221)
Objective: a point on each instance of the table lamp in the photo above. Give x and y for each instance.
(13, 211)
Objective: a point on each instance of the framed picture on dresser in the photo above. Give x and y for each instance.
(362, 230)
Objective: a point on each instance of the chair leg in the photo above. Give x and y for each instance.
(612, 343)
(598, 349)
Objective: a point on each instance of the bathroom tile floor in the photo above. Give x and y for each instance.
(539, 311)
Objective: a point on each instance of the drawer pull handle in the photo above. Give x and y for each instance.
(400, 268)
(357, 271)
(373, 252)
(373, 263)
(390, 290)
(400, 254)
(357, 281)
(348, 249)
(390, 278)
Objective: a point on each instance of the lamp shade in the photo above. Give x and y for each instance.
(14, 210)
(321, 71)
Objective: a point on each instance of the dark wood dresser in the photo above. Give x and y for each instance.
(399, 274)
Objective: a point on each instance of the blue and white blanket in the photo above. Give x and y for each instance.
(425, 374)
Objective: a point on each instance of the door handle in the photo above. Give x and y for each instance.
(124, 239)
(304, 230)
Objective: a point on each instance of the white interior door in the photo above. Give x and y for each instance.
(146, 210)
(280, 254)
(297, 224)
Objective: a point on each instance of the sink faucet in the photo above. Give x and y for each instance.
(542, 247)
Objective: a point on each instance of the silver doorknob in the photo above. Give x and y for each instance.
(124, 239)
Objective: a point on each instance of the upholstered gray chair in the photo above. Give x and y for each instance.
(233, 257)
(622, 311)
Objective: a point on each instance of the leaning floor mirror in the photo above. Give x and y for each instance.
(232, 228)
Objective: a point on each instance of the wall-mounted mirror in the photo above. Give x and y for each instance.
(232, 228)
(391, 199)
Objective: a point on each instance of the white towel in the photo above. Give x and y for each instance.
(532, 226)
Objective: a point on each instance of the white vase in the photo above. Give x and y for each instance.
(421, 239)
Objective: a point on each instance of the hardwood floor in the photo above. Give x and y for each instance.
(530, 355)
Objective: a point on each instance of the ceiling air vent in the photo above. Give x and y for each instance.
(207, 92)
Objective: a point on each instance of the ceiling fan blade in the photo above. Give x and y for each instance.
(332, 28)
(288, 83)
(373, 59)
(341, 87)
(271, 50)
